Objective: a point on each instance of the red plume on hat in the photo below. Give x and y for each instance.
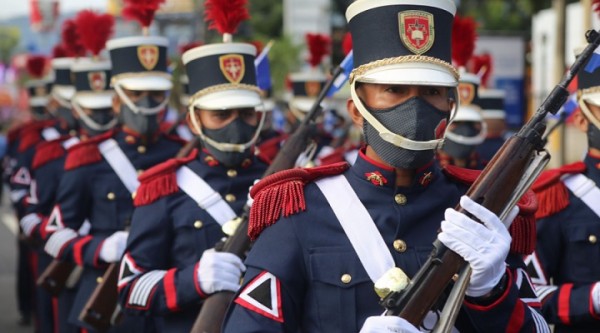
(142, 11)
(482, 66)
(58, 51)
(596, 6)
(225, 16)
(185, 47)
(36, 66)
(347, 43)
(94, 29)
(70, 39)
(318, 47)
(463, 40)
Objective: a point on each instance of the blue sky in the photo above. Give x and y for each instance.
(11, 8)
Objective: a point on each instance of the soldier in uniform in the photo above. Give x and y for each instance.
(181, 205)
(564, 266)
(325, 235)
(491, 102)
(467, 130)
(100, 178)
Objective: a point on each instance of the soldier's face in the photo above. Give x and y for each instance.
(216, 119)
(384, 96)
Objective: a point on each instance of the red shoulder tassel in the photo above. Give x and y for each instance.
(82, 154)
(29, 139)
(465, 176)
(268, 149)
(551, 192)
(46, 152)
(523, 230)
(160, 180)
(282, 194)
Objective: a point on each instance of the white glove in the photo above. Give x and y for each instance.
(29, 222)
(219, 271)
(113, 247)
(58, 239)
(596, 297)
(250, 201)
(485, 246)
(383, 324)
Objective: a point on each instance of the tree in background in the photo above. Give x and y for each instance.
(9, 39)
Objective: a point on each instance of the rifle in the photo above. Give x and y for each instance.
(213, 309)
(510, 173)
(58, 275)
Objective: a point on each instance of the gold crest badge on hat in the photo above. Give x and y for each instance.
(417, 31)
(97, 80)
(466, 92)
(233, 67)
(148, 56)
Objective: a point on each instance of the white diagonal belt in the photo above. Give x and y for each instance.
(586, 190)
(70, 142)
(50, 133)
(358, 226)
(120, 164)
(204, 195)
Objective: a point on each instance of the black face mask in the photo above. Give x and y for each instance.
(460, 150)
(593, 134)
(140, 123)
(415, 119)
(101, 117)
(236, 132)
(39, 113)
(66, 115)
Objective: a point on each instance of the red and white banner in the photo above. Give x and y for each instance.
(43, 14)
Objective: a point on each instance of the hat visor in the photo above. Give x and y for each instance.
(410, 73)
(468, 113)
(146, 82)
(493, 114)
(99, 100)
(592, 98)
(228, 99)
(303, 104)
(38, 101)
(266, 105)
(64, 92)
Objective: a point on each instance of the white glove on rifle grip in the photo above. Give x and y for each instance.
(113, 247)
(219, 271)
(485, 246)
(379, 324)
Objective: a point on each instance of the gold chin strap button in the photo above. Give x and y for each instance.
(231, 173)
(400, 245)
(99, 280)
(346, 278)
(141, 149)
(198, 224)
(400, 199)
(110, 196)
(130, 139)
(230, 197)
(593, 239)
(139, 172)
(133, 195)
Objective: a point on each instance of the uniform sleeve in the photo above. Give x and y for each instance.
(148, 283)
(43, 195)
(20, 181)
(566, 303)
(516, 310)
(271, 298)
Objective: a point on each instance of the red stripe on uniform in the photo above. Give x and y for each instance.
(55, 313)
(517, 318)
(197, 282)
(170, 291)
(564, 296)
(78, 249)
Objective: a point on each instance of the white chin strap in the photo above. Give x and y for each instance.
(137, 109)
(468, 140)
(63, 102)
(586, 110)
(391, 137)
(90, 122)
(224, 146)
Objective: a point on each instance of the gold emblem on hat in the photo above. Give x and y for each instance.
(148, 56)
(417, 31)
(466, 92)
(97, 80)
(233, 67)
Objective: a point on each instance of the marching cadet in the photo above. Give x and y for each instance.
(100, 178)
(491, 102)
(467, 130)
(564, 266)
(325, 235)
(181, 205)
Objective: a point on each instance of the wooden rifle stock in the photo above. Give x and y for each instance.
(214, 307)
(494, 189)
(102, 309)
(58, 275)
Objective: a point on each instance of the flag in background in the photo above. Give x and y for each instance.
(263, 70)
(594, 61)
(347, 65)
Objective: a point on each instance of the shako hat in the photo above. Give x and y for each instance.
(491, 102)
(306, 85)
(402, 41)
(38, 85)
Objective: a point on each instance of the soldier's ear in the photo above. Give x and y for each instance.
(188, 120)
(580, 121)
(116, 104)
(355, 115)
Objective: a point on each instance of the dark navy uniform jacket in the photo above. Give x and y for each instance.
(568, 251)
(90, 189)
(303, 274)
(168, 235)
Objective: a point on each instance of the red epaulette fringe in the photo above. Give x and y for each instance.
(46, 152)
(268, 149)
(86, 152)
(551, 192)
(282, 194)
(160, 180)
